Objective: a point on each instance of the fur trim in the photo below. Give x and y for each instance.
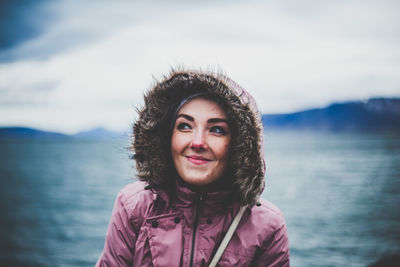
(152, 134)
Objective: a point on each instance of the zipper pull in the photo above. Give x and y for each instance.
(201, 197)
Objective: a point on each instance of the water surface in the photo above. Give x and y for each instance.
(340, 194)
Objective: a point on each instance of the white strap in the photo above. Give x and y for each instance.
(228, 236)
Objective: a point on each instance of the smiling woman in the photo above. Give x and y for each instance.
(198, 151)
(200, 142)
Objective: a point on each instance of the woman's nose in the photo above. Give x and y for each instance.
(198, 141)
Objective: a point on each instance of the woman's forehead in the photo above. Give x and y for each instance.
(202, 107)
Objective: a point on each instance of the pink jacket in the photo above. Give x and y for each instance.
(161, 222)
(149, 229)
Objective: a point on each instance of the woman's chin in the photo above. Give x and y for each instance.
(197, 181)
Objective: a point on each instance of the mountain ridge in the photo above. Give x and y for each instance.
(373, 115)
(376, 114)
(98, 133)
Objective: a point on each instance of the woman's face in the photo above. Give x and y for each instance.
(200, 142)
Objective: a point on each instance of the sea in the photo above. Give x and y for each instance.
(339, 193)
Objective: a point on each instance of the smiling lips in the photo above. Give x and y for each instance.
(197, 160)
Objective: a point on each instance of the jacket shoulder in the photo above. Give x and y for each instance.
(273, 236)
(137, 201)
(267, 217)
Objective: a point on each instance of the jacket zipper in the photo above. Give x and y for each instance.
(196, 223)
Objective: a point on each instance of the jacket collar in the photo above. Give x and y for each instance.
(186, 196)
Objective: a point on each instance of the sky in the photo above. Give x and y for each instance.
(69, 66)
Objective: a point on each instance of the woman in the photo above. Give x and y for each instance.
(199, 157)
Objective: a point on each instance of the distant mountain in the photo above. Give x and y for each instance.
(376, 114)
(97, 133)
(29, 133)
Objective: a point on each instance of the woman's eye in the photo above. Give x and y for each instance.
(218, 130)
(183, 126)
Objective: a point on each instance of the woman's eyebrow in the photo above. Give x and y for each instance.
(190, 118)
(212, 120)
(217, 120)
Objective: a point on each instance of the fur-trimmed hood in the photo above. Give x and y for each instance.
(152, 131)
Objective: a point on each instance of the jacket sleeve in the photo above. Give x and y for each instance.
(275, 252)
(120, 239)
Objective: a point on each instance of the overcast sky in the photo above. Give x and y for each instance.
(72, 65)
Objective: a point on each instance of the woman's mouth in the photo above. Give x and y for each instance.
(197, 160)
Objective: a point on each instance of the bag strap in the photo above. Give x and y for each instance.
(228, 236)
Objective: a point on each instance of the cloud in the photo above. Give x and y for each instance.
(18, 21)
(289, 57)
